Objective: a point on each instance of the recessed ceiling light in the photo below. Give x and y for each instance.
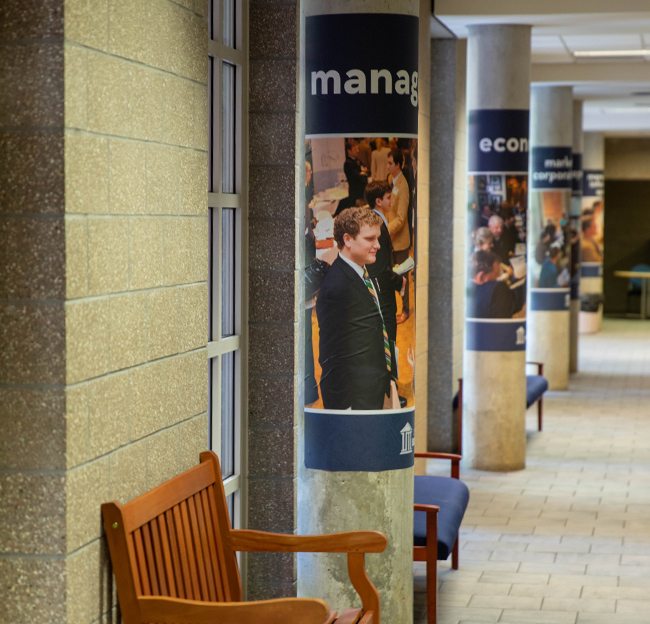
(609, 53)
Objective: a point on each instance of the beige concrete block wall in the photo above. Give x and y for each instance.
(422, 228)
(136, 240)
(460, 209)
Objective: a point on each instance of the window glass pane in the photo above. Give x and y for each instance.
(228, 122)
(228, 272)
(215, 274)
(211, 138)
(228, 414)
(230, 501)
(229, 23)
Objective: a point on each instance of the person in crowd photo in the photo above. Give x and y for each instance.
(379, 161)
(354, 349)
(549, 272)
(546, 239)
(365, 153)
(398, 226)
(510, 236)
(590, 251)
(487, 297)
(356, 175)
(500, 248)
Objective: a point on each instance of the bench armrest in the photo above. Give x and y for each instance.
(455, 461)
(163, 610)
(540, 367)
(426, 508)
(354, 543)
(348, 542)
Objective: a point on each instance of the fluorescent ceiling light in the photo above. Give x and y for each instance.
(610, 53)
(627, 111)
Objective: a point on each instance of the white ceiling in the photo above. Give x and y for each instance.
(616, 90)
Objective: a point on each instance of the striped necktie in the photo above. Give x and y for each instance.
(366, 279)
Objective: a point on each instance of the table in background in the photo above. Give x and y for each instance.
(644, 277)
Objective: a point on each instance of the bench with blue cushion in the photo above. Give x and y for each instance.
(536, 386)
(440, 504)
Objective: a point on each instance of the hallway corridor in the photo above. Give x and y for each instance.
(567, 540)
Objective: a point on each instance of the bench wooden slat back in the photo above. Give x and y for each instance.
(176, 540)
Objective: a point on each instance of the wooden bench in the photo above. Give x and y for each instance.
(536, 386)
(439, 507)
(173, 555)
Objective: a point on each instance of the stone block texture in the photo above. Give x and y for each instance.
(441, 228)
(103, 293)
(32, 298)
(276, 205)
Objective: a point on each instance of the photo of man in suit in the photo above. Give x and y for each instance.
(387, 282)
(354, 350)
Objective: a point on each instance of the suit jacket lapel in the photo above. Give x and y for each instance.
(356, 280)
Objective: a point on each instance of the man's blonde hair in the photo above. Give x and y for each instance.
(350, 222)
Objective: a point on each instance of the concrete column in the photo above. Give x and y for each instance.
(440, 430)
(592, 221)
(346, 479)
(576, 201)
(549, 246)
(498, 96)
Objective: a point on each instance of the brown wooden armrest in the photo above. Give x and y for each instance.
(455, 461)
(429, 455)
(348, 542)
(164, 610)
(540, 367)
(426, 508)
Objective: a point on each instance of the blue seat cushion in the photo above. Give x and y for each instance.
(452, 496)
(536, 385)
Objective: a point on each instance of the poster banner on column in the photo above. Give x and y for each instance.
(592, 224)
(549, 229)
(576, 208)
(497, 197)
(361, 156)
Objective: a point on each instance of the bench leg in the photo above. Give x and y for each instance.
(539, 414)
(432, 568)
(454, 556)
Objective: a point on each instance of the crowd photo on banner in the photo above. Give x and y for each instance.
(553, 237)
(497, 205)
(592, 227)
(361, 200)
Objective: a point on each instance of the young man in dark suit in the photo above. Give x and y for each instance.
(354, 351)
(387, 282)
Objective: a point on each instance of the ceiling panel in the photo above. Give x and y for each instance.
(603, 42)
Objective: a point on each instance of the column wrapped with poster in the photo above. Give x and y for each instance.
(592, 227)
(549, 232)
(361, 155)
(576, 208)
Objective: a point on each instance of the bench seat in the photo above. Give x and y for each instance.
(452, 496)
(536, 386)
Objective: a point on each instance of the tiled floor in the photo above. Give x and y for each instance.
(567, 540)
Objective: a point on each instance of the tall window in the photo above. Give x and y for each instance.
(226, 200)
